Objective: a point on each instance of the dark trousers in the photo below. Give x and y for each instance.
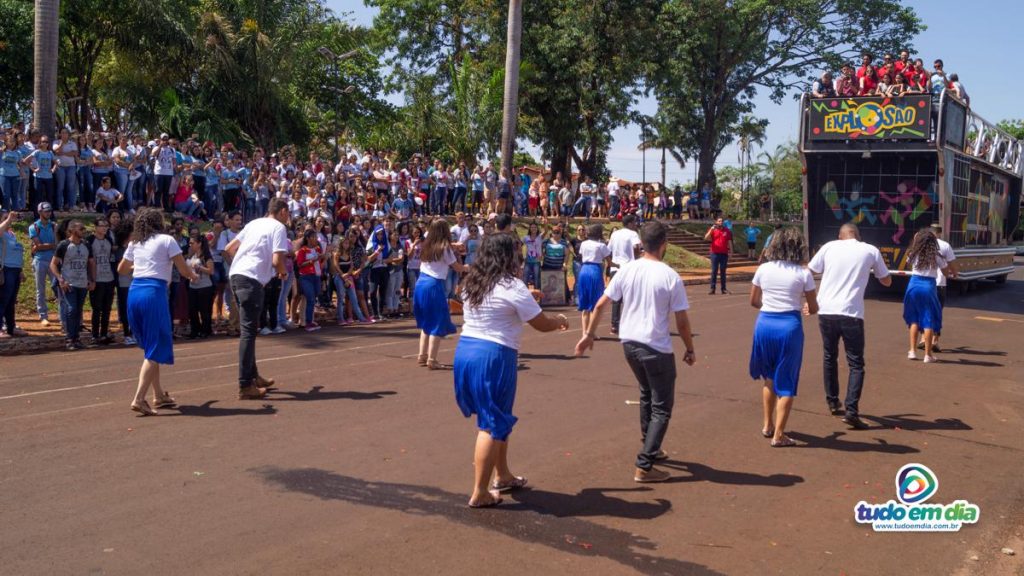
(851, 331)
(45, 191)
(9, 296)
(102, 300)
(271, 294)
(122, 309)
(656, 373)
(378, 289)
(248, 294)
(200, 311)
(719, 262)
(164, 196)
(616, 307)
(74, 301)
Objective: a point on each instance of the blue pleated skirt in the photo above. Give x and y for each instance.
(485, 384)
(921, 304)
(149, 316)
(589, 286)
(778, 350)
(430, 306)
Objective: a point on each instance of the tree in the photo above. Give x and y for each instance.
(784, 170)
(44, 103)
(1014, 128)
(715, 54)
(16, 63)
(510, 108)
(658, 133)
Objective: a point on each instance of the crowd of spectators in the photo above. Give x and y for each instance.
(890, 78)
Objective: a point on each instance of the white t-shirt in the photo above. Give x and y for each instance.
(929, 270)
(845, 266)
(593, 251)
(622, 243)
(586, 189)
(460, 233)
(165, 161)
(782, 285)
(152, 259)
(500, 317)
(613, 189)
(438, 268)
(64, 160)
(258, 242)
(649, 291)
(946, 251)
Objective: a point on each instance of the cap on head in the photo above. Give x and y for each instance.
(44, 207)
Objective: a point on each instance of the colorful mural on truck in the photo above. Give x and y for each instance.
(903, 206)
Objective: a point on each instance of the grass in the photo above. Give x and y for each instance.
(739, 236)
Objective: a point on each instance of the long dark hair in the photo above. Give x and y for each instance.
(204, 248)
(924, 249)
(438, 241)
(148, 223)
(788, 245)
(495, 261)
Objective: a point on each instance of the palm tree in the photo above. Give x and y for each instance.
(510, 110)
(751, 132)
(47, 34)
(657, 133)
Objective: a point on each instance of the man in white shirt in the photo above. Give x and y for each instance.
(256, 254)
(947, 254)
(845, 266)
(625, 246)
(613, 198)
(650, 290)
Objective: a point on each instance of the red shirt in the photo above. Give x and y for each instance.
(721, 239)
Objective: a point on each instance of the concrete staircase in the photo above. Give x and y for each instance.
(696, 244)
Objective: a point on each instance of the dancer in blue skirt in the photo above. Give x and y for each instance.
(430, 298)
(496, 305)
(779, 287)
(921, 307)
(594, 254)
(148, 259)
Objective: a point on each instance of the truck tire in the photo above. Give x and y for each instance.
(1001, 279)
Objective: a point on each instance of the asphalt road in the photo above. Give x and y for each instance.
(360, 462)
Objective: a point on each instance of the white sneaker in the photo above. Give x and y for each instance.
(289, 325)
(911, 355)
(264, 331)
(929, 359)
(129, 341)
(278, 330)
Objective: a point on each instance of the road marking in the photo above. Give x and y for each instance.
(55, 411)
(991, 319)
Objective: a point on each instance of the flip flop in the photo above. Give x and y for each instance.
(768, 433)
(516, 483)
(435, 365)
(785, 442)
(494, 502)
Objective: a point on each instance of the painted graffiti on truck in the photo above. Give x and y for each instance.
(899, 208)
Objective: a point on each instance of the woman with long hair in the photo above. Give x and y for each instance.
(921, 307)
(778, 290)
(149, 258)
(200, 291)
(309, 258)
(430, 299)
(594, 254)
(497, 304)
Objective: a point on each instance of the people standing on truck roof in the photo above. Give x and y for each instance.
(921, 308)
(845, 266)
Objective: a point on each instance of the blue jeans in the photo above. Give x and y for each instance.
(531, 273)
(412, 275)
(851, 331)
(719, 262)
(210, 199)
(120, 178)
(44, 277)
(393, 297)
(188, 207)
(282, 302)
(347, 294)
(67, 187)
(85, 188)
(613, 211)
(459, 200)
(451, 282)
(74, 301)
(309, 284)
(11, 186)
(585, 202)
(438, 200)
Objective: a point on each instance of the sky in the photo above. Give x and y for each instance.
(971, 38)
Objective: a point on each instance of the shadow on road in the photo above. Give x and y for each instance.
(591, 502)
(521, 521)
(966, 362)
(907, 422)
(317, 393)
(528, 356)
(702, 473)
(835, 441)
(207, 409)
(972, 352)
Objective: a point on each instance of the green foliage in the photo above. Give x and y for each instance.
(1014, 128)
(713, 56)
(16, 24)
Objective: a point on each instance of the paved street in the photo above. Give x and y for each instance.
(360, 463)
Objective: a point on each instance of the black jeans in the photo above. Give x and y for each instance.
(122, 309)
(200, 311)
(102, 300)
(656, 373)
(248, 294)
(9, 296)
(851, 331)
(271, 294)
(164, 196)
(378, 289)
(616, 307)
(719, 262)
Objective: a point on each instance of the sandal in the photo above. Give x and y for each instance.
(784, 442)
(516, 483)
(164, 401)
(768, 433)
(421, 360)
(495, 500)
(435, 365)
(143, 408)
